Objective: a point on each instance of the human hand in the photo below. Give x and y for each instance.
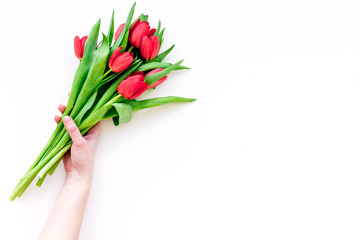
(79, 161)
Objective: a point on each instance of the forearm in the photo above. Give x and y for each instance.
(66, 216)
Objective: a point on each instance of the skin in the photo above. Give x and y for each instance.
(67, 214)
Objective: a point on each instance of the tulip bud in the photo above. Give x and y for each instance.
(79, 45)
(137, 32)
(150, 47)
(132, 87)
(158, 82)
(119, 30)
(118, 62)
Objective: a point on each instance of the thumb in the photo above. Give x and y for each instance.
(74, 132)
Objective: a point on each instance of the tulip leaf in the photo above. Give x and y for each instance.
(154, 102)
(151, 79)
(124, 113)
(95, 75)
(85, 108)
(154, 65)
(126, 28)
(84, 67)
(162, 55)
(124, 42)
(143, 17)
(158, 29)
(161, 34)
(135, 21)
(111, 29)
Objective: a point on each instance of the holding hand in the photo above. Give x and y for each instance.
(79, 161)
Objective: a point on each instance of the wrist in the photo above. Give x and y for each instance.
(84, 180)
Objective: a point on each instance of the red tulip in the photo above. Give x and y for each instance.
(137, 32)
(120, 61)
(79, 45)
(158, 82)
(150, 47)
(119, 30)
(132, 87)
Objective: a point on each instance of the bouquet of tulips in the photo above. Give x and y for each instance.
(106, 83)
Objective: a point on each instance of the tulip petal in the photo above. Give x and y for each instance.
(146, 48)
(77, 47)
(114, 55)
(152, 31)
(121, 62)
(134, 25)
(155, 46)
(119, 30)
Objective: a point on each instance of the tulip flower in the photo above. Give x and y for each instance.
(132, 87)
(137, 32)
(79, 45)
(158, 82)
(119, 30)
(150, 47)
(118, 62)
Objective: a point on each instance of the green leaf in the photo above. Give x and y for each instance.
(124, 113)
(154, 102)
(151, 79)
(111, 29)
(126, 28)
(143, 17)
(162, 55)
(124, 42)
(158, 29)
(154, 65)
(84, 67)
(161, 34)
(85, 108)
(95, 75)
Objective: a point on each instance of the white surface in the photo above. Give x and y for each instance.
(269, 151)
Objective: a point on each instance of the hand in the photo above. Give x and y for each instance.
(79, 161)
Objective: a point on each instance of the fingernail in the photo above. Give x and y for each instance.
(67, 119)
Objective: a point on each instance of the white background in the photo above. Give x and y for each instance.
(269, 151)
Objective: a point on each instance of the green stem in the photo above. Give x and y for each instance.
(117, 97)
(107, 73)
(54, 160)
(130, 48)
